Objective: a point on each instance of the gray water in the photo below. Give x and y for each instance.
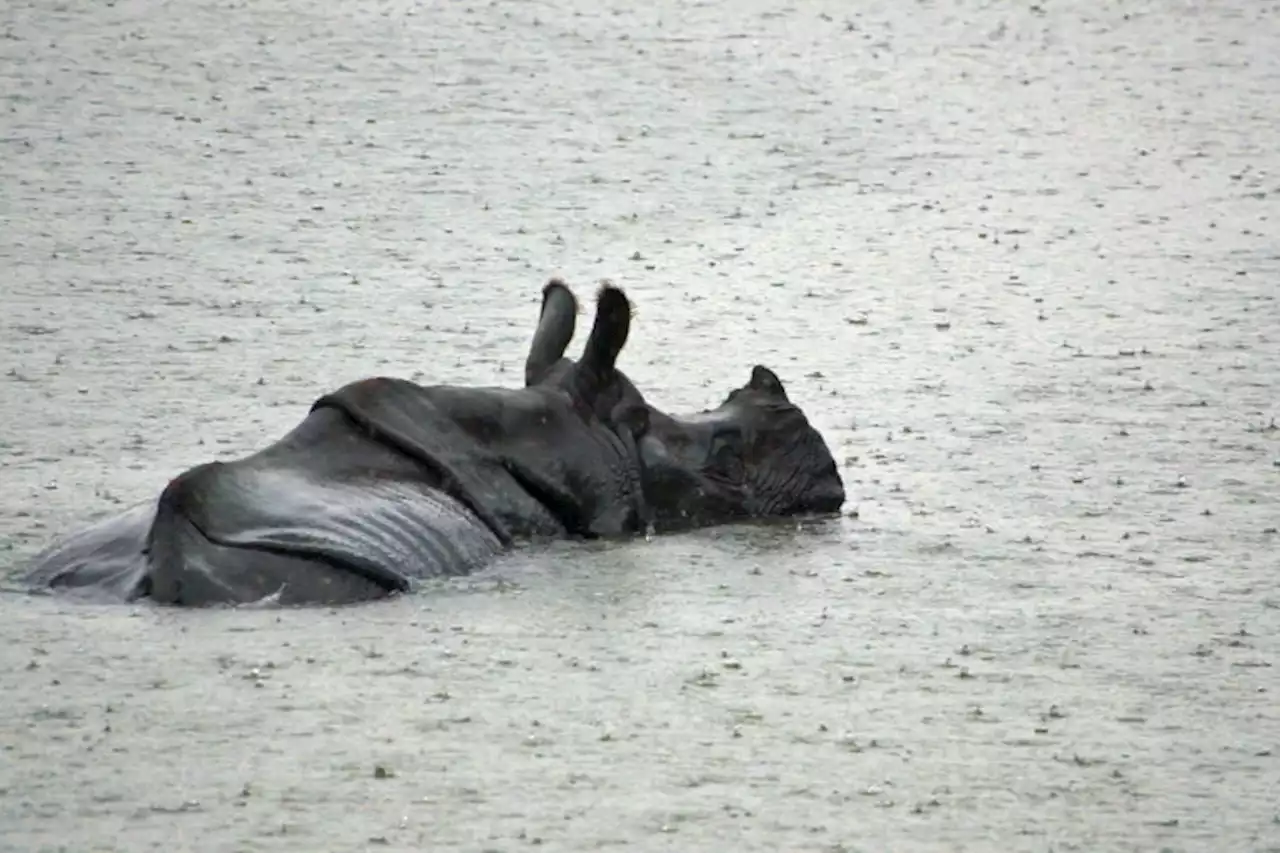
(1018, 261)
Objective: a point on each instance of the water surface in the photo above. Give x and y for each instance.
(1019, 263)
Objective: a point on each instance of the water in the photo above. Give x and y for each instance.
(1018, 262)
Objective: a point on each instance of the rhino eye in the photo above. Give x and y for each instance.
(727, 451)
(726, 440)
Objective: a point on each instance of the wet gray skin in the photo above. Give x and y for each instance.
(384, 483)
(755, 456)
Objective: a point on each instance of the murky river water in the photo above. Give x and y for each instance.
(1019, 261)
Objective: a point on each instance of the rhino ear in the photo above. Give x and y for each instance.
(632, 417)
(596, 371)
(556, 323)
(608, 333)
(766, 382)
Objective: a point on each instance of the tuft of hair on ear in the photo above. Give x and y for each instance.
(612, 302)
(616, 292)
(557, 283)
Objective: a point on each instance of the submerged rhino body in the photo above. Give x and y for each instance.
(386, 482)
